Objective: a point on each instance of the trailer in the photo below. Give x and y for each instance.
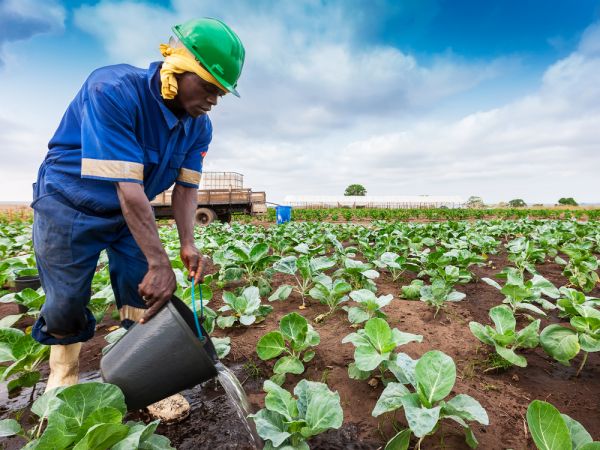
(220, 195)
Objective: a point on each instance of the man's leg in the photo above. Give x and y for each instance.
(128, 266)
(66, 263)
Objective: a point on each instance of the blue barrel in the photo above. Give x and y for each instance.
(284, 214)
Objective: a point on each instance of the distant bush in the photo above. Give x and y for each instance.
(517, 203)
(567, 201)
(356, 189)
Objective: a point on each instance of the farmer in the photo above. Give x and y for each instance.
(128, 135)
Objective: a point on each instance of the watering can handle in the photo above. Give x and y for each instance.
(196, 320)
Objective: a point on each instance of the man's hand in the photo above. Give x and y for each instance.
(157, 288)
(193, 261)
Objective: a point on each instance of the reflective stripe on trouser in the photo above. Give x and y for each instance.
(67, 244)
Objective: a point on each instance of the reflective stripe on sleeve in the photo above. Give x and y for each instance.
(112, 169)
(189, 176)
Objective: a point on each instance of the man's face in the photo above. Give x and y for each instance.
(195, 95)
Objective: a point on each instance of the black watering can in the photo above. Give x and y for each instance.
(162, 357)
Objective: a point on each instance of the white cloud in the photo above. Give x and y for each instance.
(320, 110)
(22, 19)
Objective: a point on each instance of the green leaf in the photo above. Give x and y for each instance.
(356, 374)
(288, 364)
(466, 407)
(225, 321)
(222, 346)
(280, 400)
(259, 251)
(8, 339)
(270, 345)
(357, 315)
(286, 265)
(421, 420)
(294, 327)
(278, 378)
(9, 427)
(400, 441)
(102, 436)
(480, 332)
(503, 318)
(281, 293)
(436, 373)
(547, 427)
(528, 337)
(308, 356)
(77, 403)
(270, 426)
(390, 399)
(367, 358)
(560, 342)
(403, 368)
(319, 406)
(509, 355)
(579, 435)
(379, 333)
(401, 338)
(363, 296)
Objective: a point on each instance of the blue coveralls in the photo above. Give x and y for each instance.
(116, 129)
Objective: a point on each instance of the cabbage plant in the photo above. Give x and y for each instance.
(360, 275)
(438, 293)
(581, 270)
(552, 430)
(521, 294)
(245, 308)
(504, 337)
(287, 421)
(375, 345)
(295, 338)
(305, 270)
(25, 356)
(83, 417)
(573, 303)
(396, 264)
(412, 291)
(369, 306)
(329, 292)
(432, 378)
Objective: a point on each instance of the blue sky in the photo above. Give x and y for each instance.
(493, 98)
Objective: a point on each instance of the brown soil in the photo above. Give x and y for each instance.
(505, 395)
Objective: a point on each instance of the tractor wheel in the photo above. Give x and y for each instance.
(205, 216)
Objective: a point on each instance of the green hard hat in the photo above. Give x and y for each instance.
(216, 46)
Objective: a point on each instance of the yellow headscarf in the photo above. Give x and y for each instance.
(178, 59)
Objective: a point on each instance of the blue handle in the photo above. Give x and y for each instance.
(198, 328)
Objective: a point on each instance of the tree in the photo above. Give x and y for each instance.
(567, 201)
(517, 203)
(475, 202)
(356, 189)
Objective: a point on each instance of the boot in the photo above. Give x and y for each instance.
(172, 409)
(64, 365)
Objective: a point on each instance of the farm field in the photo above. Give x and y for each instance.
(386, 313)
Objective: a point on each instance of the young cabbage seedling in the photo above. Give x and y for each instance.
(520, 294)
(245, 308)
(432, 378)
(504, 337)
(552, 430)
(25, 356)
(305, 270)
(369, 306)
(375, 346)
(359, 274)
(412, 291)
(286, 422)
(329, 292)
(396, 264)
(295, 337)
(581, 270)
(438, 293)
(573, 303)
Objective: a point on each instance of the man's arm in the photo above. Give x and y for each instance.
(159, 283)
(184, 203)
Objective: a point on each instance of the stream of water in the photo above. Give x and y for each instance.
(237, 396)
